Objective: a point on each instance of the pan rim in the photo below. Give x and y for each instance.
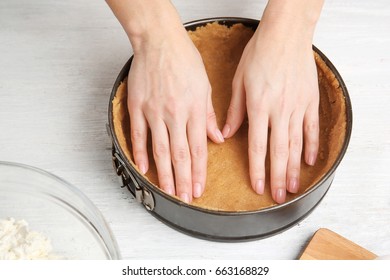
(253, 24)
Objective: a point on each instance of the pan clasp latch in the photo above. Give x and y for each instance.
(145, 197)
(141, 194)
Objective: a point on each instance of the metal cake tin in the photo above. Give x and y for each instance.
(222, 225)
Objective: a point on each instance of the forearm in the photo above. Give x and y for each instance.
(292, 18)
(146, 19)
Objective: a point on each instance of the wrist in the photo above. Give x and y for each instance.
(147, 21)
(301, 11)
(292, 20)
(153, 24)
(157, 36)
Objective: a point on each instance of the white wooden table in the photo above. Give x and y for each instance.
(58, 62)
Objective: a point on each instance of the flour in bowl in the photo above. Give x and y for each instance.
(17, 242)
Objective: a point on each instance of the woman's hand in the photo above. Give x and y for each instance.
(169, 92)
(276, 82)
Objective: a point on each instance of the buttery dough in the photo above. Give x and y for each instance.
(228, 185)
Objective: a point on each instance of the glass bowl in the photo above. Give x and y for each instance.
(56, 209)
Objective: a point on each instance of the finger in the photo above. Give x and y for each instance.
(139, 134)
(311, 133)
(236, 111)
(295, 152)
(197, 139)
(181, 161)
(257, 149)
(162, 156)
(279, 153)
(213, 131)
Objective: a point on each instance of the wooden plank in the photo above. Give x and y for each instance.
(328, 245)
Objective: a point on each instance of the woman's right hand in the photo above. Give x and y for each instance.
(169, 92)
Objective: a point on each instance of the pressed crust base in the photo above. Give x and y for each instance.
(228, 184)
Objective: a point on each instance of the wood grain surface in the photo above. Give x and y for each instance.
(59, 60)
(328, 245)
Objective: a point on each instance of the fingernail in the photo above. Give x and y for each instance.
(226, 130)
(142, 168)
(311, 159)
(279, 195)
(197, 190)
(293, 185)
(184, 197)
(219, 135)
(170, 191)
(259, 186)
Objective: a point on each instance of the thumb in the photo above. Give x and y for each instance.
(213, 131)
(237, 109)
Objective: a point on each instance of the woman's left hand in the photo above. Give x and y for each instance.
(276, 83)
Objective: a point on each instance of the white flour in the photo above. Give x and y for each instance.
(18, 243)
